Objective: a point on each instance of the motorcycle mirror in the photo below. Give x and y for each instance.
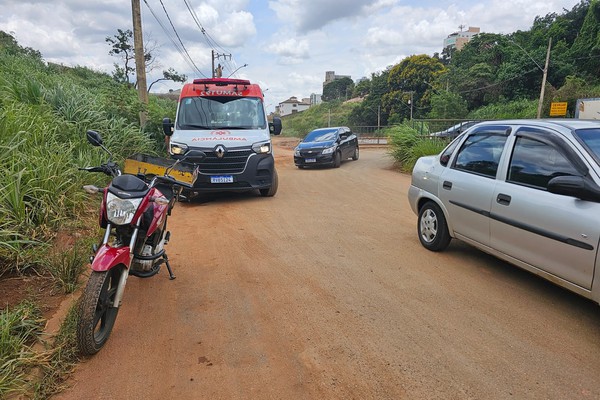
(94, 138)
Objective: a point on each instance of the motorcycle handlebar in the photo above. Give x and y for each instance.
(110, 169)
(170, 180)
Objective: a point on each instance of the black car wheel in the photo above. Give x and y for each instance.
(337, 159)
(432, 227)
(355, 155)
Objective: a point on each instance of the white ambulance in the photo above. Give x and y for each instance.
(226, 119)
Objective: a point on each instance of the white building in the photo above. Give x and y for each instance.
(293, 105)
(315, 99)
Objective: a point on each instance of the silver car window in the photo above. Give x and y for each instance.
(480, 154)
(534, 163)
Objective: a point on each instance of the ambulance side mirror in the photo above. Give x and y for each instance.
(167, 126)
(275, 127)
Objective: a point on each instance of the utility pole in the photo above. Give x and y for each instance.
(217, 56)
(541, 103)
(140, 63)
(378, 118)
(410, 101)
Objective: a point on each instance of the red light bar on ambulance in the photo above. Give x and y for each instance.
(221, 81)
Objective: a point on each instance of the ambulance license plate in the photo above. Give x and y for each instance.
(221, 179)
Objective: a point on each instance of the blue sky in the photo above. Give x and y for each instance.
(287, 44)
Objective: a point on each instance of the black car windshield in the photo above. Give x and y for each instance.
(321, 135)
(591, 139)
(220, 113)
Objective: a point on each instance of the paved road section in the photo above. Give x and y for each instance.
(324, 292)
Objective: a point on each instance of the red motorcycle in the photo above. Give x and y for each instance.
(134, 213)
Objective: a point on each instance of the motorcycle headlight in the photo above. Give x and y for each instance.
(262, 148)
(178, 149)
(121, 211)
(328, 150)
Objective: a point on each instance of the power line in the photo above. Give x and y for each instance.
(175, 44)
(178, 38)
(498, 83)
(209, 40)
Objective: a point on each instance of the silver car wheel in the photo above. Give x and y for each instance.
(429, 226)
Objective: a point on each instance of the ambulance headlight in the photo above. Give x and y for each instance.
(178, 149)
(262, 148)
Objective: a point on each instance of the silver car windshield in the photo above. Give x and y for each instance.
(221, 113)
(591, 140)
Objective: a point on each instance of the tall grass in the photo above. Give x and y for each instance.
(516, 109)
(19, 331)
(45, 110)
(44, 113)
(60, 360)
(407, 145)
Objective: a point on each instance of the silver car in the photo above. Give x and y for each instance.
(526, 191)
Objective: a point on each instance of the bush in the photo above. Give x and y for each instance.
(510, 110)
(407, 145)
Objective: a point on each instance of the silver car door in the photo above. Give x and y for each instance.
(554, 233)
(467, 187)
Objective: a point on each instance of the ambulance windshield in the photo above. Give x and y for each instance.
(221, 112)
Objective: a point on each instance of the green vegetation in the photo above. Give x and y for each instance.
(494, 76)
(19, 331)
(45, 110)
(60, 359)
(333, 113)
(407, 144)
(44, 113)
(493, 72)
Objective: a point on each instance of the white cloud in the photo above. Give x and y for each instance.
(290, 51)
(287, 44)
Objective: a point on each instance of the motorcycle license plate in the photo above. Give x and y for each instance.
(309, 160)
(221, 179)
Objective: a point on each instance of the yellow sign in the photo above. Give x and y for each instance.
(558, 109)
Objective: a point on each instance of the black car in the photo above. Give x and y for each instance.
(326, 146)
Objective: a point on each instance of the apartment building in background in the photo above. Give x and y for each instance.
(330, 76)
(293, 105)
(457, 40)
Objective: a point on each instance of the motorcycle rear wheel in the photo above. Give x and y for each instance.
(97, 311)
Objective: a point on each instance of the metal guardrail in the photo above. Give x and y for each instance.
(372, 140)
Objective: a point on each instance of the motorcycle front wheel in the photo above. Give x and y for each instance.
(97, 311)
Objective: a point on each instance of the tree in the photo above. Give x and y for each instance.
(411, 79)
(370, 111)
(586, 47)
(339, 89)
(448, 105)
(170, 75)
(122, 47)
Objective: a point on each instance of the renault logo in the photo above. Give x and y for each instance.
(220, 151)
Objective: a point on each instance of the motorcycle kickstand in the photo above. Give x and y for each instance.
(171, 276)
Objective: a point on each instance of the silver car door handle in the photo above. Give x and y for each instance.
(447, 185)
(503, 199)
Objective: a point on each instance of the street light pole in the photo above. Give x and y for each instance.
(243, 66)
(541, 103)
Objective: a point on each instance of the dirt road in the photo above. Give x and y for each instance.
(324, 292)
